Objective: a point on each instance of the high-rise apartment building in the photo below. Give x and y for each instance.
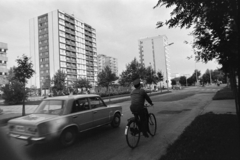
(61, 41)
(104, 61)
(153, 52)
(3, 62)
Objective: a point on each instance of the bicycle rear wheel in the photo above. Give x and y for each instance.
(132, 134)
(152, 123)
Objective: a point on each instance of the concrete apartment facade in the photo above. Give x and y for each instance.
(3, 62)
(153, 51)
(59, 40)
(111, 62)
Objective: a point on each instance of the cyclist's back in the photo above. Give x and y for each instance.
(138, 97)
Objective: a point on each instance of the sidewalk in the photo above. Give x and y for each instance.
(14, 111)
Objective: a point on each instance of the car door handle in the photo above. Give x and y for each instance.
(75, 116)
(94, 112)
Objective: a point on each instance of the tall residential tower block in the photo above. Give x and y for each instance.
(153, 51)
(60, 41)
(111, 62)
(3, 62)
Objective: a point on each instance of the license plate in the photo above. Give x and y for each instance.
(20, 128)
(126, 129)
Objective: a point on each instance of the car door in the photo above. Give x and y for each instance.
(82, 114)
(100, 111)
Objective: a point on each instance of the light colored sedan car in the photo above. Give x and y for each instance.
(63, 117)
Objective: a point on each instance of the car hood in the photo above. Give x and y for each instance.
(32, 119)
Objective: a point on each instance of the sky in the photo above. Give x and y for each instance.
(119, 25)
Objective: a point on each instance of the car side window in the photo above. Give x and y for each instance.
(80, 105)
(96, 102)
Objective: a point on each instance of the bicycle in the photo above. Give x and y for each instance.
(132, 131)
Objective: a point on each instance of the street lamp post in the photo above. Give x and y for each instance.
(166, 63)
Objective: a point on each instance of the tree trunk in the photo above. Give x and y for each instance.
(235, 89)
(23, 107)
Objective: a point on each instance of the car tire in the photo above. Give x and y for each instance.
(68, 137)
(116, 120)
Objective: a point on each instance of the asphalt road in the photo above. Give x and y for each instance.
(174, 111)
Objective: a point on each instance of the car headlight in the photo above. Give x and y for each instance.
(32, 130)
(11, 127)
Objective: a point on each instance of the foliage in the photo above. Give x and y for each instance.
(59, 81)
(173, 82)
(106, 77)
(24, 70)
(133, 71)
(182, 80)
(13, 93)
(215, 75)
(150, 75)
(82, 83)
(215, 26)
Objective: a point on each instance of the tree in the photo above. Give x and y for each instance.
(106, 77)
(133, 71)
(23, 72)
(182, 80)
(150, 75)
(59, 82)
(216, 33)
(159, 78)
(195, 75)
(82, 83)
(13, 91)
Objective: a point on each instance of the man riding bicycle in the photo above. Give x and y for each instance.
(138, 97)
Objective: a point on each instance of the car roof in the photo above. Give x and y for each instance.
(68, 97)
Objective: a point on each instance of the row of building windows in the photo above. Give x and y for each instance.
(3, 62)
(43, 47)
(3, 50)
(44, 71)
(43, 36)
(43, 41)
(3, 73)
(43, 53)
(42, 18)
(43, 24)
(43, 30)
(44, 59)
(44, 65)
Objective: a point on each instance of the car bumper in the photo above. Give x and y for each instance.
(29, 139)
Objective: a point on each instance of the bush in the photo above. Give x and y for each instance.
(13, 93)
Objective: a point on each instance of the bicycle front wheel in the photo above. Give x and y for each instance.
(152, 123)
(132, 134)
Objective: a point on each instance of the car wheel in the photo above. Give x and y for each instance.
(68, 137)
(116, 120)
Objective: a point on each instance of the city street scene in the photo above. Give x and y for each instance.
(116, 80)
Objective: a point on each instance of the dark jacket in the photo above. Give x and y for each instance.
(138, 97)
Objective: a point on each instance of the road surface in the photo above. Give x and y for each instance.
(173, 111)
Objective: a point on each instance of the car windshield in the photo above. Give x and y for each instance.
(54, 107)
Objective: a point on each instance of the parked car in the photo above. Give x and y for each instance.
(63, 117)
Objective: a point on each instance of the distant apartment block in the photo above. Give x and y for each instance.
(3, 62)
(59, 40)
(153, 51)
(104, 61)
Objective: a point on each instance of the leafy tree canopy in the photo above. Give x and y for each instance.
(24, 70)
(106, 77)
(133, 71)
(59, 80)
